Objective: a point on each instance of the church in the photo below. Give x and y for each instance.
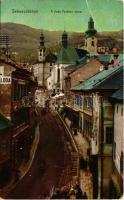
(50, 69)
(91, 42)
(67, 55)
(42, 68)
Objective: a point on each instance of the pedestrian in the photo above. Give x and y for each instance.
(79, 194)
(72, 193)
(75, 131)
(84, 195)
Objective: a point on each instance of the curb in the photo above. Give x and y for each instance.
(33, 151)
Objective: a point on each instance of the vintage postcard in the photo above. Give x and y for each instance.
(61, 99)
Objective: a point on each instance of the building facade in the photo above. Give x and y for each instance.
(5, 151)
(91, 42)
(17, 104)
(66, 56)
(42, 68)
(118, 142)
(91, 102)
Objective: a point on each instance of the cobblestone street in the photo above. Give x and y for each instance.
(37, 183)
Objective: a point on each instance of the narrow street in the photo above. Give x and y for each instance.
(38, 182)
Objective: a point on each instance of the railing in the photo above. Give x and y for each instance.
(74, 153)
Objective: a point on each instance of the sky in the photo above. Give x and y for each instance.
(71, 15)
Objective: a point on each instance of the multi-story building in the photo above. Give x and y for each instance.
(118, 142)
(17, 90)
(92, 97)
(5, 151)
(67, 55)
(42, 68)
(81, 72)
(91, 42)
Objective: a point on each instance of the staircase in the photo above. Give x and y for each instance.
(74, 163)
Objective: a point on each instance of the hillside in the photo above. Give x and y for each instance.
(25, 40)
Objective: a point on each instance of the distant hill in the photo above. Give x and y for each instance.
(25, 40)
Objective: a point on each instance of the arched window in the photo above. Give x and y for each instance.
(58, 74)
(92, 44)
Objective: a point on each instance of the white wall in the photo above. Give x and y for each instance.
(118, 133)
(53, 77)
(96, 124)
(2, 70)
(89, 47)
(38, 72)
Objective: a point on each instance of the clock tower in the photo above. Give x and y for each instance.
(90, 38)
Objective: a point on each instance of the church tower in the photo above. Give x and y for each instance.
(41, 59)
(41, 53)
(90, 38)
(64, 39)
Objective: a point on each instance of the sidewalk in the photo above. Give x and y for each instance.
(82, 144)
(86, 182)
(24, 168)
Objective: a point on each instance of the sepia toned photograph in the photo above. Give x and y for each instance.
(61, 99)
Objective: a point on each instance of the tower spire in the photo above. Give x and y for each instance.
(42, 41)
(91, 30)
(65, 39)
(41, 53)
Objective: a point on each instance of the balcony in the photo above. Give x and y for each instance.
(24, 102)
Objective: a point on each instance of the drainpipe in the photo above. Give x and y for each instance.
(100, 158)
(102, 146)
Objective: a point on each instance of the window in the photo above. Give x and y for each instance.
(109, 135)
(114, 150)
(121, 162)
(92, 44)
(58, 77)
(80, 101)
(88, 102)
(15, 91)
(87, 125)
(121, 111)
